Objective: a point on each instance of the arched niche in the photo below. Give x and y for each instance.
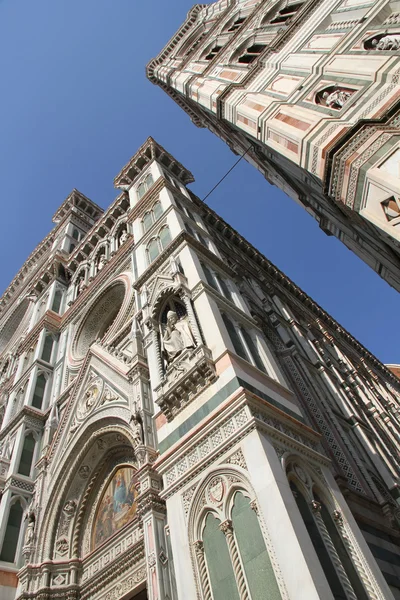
(78, 482)
(100, 317)
(117, 505)
(12, 324)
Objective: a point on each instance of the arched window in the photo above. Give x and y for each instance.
(38, 394)
(224, 287)
(157, 210)
(165, 237)
(153, 249)
(141, 190)
(222, 576)
(158, 244)
(11, 536)
(341, 551)
(209, 276)
(213, 52)
(253, 350)
(237, 23)
(147, 221)
(47, 348)
(250, 53)
(235, 338)
(152, 216)
(71, 248)
(322, 553)
(189, 229)
(27, 454)
(57, 301)
(145, 185)
(149, 180)
(286, 13)
(75, 234)
(257, 565)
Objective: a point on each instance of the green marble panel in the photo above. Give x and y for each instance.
(253, 551)
(219, 564)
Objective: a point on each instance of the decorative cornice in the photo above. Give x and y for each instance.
(148, 152)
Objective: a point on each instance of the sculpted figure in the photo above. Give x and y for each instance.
(123, 237)
(137, 431)
(173, 265)
(81, 284)
(177, 336)
(101, 262)
(30, 530)
(336, 99)
(387, 42)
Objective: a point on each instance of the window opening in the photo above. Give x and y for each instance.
(213, 52)
(38, 394)
(251, 53)
(286, 13)
(235, 338)
(28, 450)
(11, 535)
(237, 24)
(153, 250)
(253, 349)
(57, 301)
(165, 237)
(147, 221)
(47, 348)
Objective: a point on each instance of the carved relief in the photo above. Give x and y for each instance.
(384, 41)
(216, 490)
(334, 96)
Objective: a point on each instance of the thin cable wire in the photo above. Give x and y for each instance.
(227, 173)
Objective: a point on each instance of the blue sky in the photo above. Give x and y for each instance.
(75, 105)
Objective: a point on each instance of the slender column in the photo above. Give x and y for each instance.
(373, 589)
(227, 529)
(201, 561)
(156, 345)
(192, 319)
(316, 509)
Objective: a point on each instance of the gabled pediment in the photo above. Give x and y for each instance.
(91, 396)
(161, 284)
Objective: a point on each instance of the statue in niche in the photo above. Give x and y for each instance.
(334, 96)
(390, 41)
(81, 284)
(137, 431)
(123, 237)
(177, 336)
(30, 530)
(336, 99)
(101, 263)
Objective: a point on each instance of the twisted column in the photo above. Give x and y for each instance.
(192, 319)
(344, 580)
(361, 565)
(205, 584)
(227, 529)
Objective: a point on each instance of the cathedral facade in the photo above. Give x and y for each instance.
(308, 92)
(179, 421)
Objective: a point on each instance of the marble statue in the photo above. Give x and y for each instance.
(137, 431)
(387, 42)
(30, 530)
(336, 99)
(101, 262)
(81, 284)
(177, 336)
(173, 265)
(123, 237)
